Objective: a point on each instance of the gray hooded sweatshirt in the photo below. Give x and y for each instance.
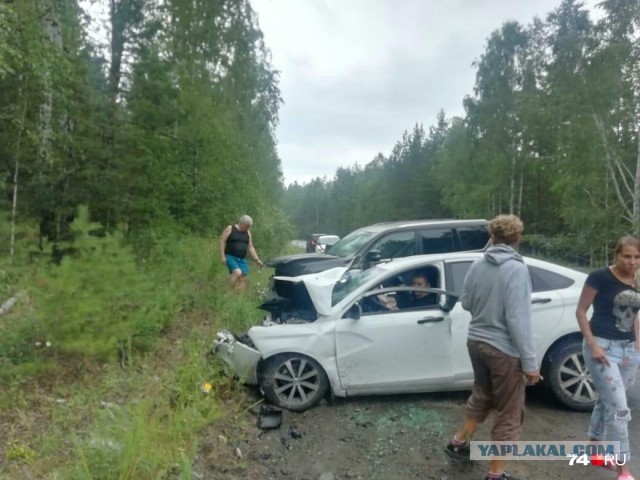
(497, 292)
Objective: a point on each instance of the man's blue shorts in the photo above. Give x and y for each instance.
(235, 263)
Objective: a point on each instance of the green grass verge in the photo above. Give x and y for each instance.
(68, 415)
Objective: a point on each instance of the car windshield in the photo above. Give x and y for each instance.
(349, 245)
(350, 281)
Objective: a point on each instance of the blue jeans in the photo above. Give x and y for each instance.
(611, 415)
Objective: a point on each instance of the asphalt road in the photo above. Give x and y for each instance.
(402, 437)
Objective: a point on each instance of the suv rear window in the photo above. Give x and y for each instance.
(396, 244)
(473, 238)
(437, 240)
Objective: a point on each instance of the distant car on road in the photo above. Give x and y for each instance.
(320, 242)
(312, 241)
(368, 245)
(325, 242)
(330, 332)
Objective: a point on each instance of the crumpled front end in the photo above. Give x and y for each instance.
(240, 354)
(301, 299)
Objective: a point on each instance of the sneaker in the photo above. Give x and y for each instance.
(458, 450)
(505, 476)
(626, 476)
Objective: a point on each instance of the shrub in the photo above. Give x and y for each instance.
(97, 302)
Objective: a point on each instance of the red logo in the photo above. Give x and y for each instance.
(606, 460)
(597, 460)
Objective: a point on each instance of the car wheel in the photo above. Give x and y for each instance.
(294, 381)
(569, 379)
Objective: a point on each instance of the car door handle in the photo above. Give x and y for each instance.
(541, 300)
(430, 320)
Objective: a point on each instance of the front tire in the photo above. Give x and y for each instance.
(294, 382)
(569, 379)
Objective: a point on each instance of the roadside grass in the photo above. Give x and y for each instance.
(140, 418)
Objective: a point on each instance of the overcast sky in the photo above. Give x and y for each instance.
(355, 74)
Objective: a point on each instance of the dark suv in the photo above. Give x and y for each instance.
(381, 241)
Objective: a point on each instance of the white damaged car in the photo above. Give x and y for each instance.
(374, 332)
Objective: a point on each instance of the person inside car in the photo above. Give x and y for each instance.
(413, 299)
(417, 299)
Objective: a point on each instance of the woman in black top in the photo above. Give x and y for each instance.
(610, 348)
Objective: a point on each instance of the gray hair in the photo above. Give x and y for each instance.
(245, 220)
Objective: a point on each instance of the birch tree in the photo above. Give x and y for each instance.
(617, 122)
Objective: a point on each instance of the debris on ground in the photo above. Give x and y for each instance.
(270, 417)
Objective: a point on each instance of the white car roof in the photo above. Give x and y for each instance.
(318, 284)
(416, 260)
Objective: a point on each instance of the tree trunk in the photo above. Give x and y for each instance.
(636, 186)
(118, 24)
(618, 172)
(512, 190)
(14, 202)
(520, 192)
(51, 26)
(16, 173)
(635, 75)
(636, 183)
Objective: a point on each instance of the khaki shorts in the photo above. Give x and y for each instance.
(498, 386)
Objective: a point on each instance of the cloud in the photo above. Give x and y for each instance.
(356, 74)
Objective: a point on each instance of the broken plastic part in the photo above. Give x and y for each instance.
(270, 417)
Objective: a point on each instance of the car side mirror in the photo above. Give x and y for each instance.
(354, 312)
(371, 258)
(449, 303)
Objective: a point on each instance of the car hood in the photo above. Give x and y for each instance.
(306, 263)
(317, 287)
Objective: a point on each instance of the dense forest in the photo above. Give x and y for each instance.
(551, 132)
(166, 121)
(133, 131)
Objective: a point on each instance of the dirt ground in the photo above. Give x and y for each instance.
(389, 438)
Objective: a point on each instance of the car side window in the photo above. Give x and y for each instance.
(404, 299)
(543, 280)
(396, 245)
(419, 278)
(473, 238)
(455, 272)
(437, 240)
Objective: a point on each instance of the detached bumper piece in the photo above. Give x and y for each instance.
(241, 358)
(270, 417)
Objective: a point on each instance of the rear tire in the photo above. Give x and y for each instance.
(568, 377)
(294, 382)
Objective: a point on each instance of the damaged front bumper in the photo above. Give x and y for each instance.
(242, 358)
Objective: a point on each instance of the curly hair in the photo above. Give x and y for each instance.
(506, 229)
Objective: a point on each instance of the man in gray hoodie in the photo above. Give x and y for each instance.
(497, 293)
